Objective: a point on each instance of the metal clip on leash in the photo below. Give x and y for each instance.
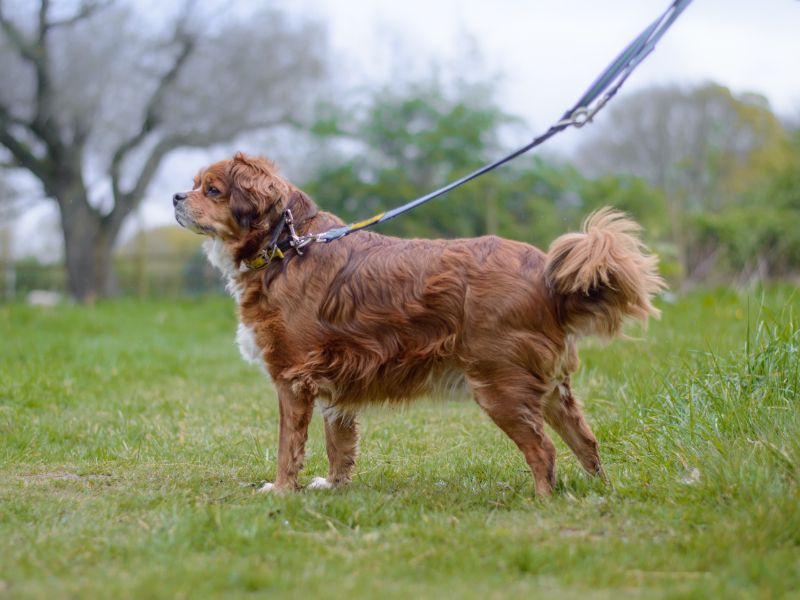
(584, 114)
(297, 242)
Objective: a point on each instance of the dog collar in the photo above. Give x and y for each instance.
(277, 249)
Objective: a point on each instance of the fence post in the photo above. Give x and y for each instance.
(142, 283)
(7, 263)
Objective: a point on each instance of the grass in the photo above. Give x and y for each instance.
(131, 436)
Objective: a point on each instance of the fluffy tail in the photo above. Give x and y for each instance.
(603, 275)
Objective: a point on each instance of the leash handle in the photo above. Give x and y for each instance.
(600, 92)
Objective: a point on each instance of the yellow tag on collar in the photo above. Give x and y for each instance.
(261, 261)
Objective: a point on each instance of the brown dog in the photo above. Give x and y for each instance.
(371, 318)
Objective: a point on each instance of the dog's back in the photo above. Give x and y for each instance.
(371, 318)
(392, 314)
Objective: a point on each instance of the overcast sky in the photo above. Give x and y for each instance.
(546, 53)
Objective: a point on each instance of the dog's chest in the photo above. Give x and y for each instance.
(245, 335)
(248, 347)
(220, 259)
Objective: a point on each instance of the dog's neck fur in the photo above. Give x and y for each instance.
(228, 257)
(303, 210)
(220, 257)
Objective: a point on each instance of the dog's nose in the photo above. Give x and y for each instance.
(177, 198)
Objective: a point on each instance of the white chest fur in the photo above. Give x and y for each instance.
(219, 257)
(245, 336)
(248, 348)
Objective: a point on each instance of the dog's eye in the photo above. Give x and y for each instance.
(212, 191)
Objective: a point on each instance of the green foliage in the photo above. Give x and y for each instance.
(726, 167)
(703, 146)
(782, 188)
(32, 274)
(761, 231)
(412, 142)
(635, 196)
(422, 138)
(131, 435)
(717, 192)
(749, 238)
(728, 207)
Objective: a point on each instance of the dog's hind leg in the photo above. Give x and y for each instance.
(515, 407)
(341, 443)
(563, 413)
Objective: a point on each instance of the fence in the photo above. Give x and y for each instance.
(136, 275)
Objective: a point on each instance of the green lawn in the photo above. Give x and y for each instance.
(132, 436)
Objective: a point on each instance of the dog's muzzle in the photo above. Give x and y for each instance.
(178, 201)
(178, 198)
(184, 219)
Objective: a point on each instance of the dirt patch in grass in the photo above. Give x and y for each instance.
(64, 476)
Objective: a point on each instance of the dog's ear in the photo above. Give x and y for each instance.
(301, 204)
(255, 190)
(297, 198)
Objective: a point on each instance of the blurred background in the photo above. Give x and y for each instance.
(109, 107)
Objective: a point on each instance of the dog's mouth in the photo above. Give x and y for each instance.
(187, 223)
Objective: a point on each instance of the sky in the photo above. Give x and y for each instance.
(549, 51)
(544, 54)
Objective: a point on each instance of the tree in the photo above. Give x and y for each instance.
(9, 208)
(758, 237)
(407, 142)
(422, 136)
(702, 147)
(101, 97)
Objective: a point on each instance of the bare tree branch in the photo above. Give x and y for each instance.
(19, 149)
(22, 153)
(126, 202)
(86, 10)
(44, 8)
(43, 122)
(81, 130)
(36, 53)
(26, 48)
(76, 94)
(152, 116)
(6, 118)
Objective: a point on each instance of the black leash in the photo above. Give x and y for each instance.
(599, 93)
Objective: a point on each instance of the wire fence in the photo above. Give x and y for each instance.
(137, 275)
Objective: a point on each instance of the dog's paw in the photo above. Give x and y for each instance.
(267, 487)
(320, 483)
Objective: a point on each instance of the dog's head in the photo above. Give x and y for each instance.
(232, 199)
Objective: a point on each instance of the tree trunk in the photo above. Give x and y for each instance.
(88, 245)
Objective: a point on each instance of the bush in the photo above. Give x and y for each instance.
(765, 239)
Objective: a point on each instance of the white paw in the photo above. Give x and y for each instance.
(320, 483)
(267, 487)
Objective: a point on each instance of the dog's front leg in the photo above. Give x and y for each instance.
(296, 406)
(341, 444)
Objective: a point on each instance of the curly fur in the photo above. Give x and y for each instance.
(373, 318)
